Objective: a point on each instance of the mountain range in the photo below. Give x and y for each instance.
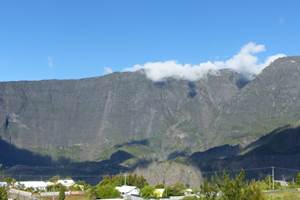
(88, 120)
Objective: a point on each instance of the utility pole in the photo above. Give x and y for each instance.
(125, 179)
(273, 178)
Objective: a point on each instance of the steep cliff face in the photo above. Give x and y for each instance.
(96, 113)
(87, 116)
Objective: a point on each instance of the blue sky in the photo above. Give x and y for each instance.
(66, 39)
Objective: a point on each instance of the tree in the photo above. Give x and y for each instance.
(131, 179)
(252, 192)
(62, 195)
(112, 180)
(54, 179)
(55, 187)
(227, 188)
(209, 190)
(232, 189)
(106, 191)
(176, 189)
(147, 192)
(135, 180)
(298, 179)
(85, 185)
(10, 181)
(3, 193)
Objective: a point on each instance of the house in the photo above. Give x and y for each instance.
(3, 184)
(159, 192)
(126, 190)
(188, 192)
(282, 183)
(66, 182)
(35, 185)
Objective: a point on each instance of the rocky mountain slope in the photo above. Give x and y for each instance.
(90, 118)
(270, 101)
(279, 148)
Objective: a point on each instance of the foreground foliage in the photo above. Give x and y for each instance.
(62, 195)
(3, 193)
(226, 188)
(106, 192)
(283, 195)
(148, 192)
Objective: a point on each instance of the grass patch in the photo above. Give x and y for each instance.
(283, 195)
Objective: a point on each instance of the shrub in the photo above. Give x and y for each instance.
(54, 179)
(3, 193)
(62, 195)
(131, 179)
(138, 181)
(106, 191)
(176, 190)
(190, 198)
(148, 192)
(55, 188)
(298, 179)
(226, 188)
(252, 192)
(10, 181)
(209, 191)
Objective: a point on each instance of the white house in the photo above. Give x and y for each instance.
(3, 184)
(159, 192)
(188, 192)
(127, 190)
(282, 183)
(66, 182)
(36, 185)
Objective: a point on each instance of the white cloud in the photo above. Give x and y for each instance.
(50, 62)
(245, 62)
(107, 70)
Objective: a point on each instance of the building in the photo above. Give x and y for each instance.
(3, 184)
(35, 185)
(159, 192)
(126, 190)
(282, 183)
(66, 182)
(188, 192)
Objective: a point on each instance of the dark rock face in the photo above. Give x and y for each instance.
(87, 116)
(279, 148)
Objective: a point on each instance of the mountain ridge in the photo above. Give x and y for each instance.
(88, 116)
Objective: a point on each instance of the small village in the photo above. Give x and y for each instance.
(134, 187)
(111, 187)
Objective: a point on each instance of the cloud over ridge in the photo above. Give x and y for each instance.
(245, 62)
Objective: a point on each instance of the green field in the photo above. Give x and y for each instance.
(284, 195)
